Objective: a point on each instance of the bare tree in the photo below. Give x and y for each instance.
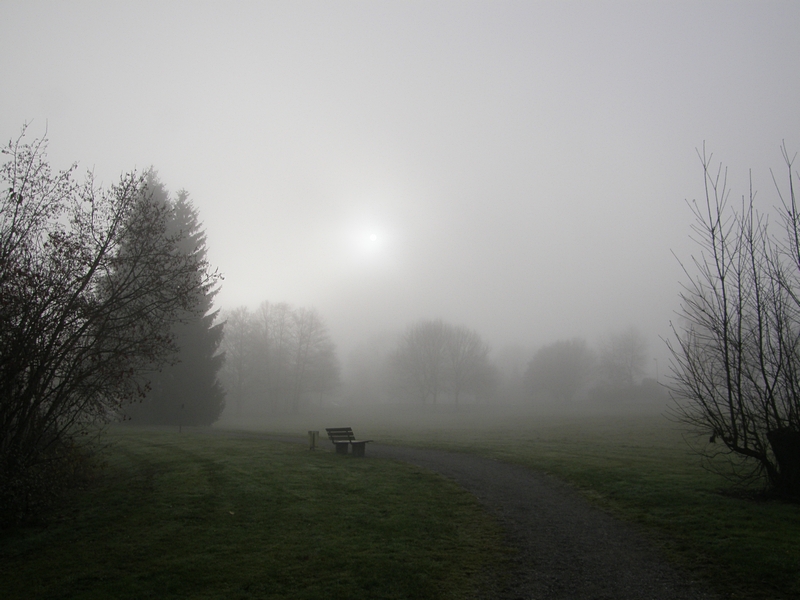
(237, 345)
(622, 358)
(736, 354)
(273, 353)
(466, 355)
(279, 356)
(90, 286)
(420, 360)
(434, 357)
(315, 367)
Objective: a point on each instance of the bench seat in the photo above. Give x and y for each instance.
(340, 437)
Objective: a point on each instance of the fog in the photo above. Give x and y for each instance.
(518, 168)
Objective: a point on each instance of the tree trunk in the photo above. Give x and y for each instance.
(785, 443)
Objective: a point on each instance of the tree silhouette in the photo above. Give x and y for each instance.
(91, 282)
(736, 355)
(560, 370)
(278, 358)
(187, 392)
(434, 358)
(622, 358)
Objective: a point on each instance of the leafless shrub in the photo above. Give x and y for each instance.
(736, 353)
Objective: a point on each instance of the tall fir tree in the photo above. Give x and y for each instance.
(188, 391)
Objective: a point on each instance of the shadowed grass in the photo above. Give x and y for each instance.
(202, 515)
(642, 470)
(638, 468)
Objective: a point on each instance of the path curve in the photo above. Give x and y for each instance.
(567, 549)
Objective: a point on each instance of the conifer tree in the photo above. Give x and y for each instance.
(187, 392)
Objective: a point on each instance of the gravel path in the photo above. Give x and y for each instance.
(567, 548)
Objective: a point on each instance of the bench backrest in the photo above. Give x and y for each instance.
(340, 434)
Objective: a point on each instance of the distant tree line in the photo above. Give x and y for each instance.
(434, 358)
(436, 363)
(278, 359)
(611, 376)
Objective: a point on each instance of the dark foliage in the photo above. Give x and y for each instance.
(91, 281)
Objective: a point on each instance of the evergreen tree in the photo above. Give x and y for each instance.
(187, 392)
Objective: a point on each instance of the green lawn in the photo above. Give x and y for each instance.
(226, 516)
(200, 515)
(642, 470)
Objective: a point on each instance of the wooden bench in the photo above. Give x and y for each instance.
(340, 437)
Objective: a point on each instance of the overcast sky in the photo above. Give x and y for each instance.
(517, 167)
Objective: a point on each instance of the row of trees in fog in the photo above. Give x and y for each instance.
(434, 357)
(278, 358)
(566, 370)
(106, 312)
(434, 362)
(735, 369)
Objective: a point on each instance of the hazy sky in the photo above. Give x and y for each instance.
(523, 166)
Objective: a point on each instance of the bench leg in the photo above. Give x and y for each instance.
(358, 448)
(341, 448)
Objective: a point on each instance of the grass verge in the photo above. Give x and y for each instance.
(201, 515)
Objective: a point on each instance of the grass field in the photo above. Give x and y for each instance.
(204, 515)
(221, 515)
(640, 469)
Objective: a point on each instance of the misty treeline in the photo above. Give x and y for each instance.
(93, 281)
(434, 363)
(612, 375)
(433, 359)
(279, 358)
(736, 349)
